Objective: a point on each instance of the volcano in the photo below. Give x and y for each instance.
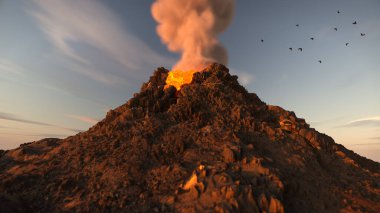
(208, 147)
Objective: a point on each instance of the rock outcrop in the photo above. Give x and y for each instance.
(209, 147)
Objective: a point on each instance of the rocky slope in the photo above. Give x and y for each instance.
(210, 147)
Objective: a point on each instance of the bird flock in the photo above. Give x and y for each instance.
(312, 38)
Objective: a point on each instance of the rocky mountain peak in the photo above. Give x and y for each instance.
(210, 146)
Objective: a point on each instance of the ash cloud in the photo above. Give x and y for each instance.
(191, 28)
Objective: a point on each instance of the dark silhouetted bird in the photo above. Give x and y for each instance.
(354, 22)
(311, 38)
(320, 61)
(336, 29)
(347, 44)
(291, 49)
(297, 25)
(338, 11)
(362, 34)
(262, 40)
(300, 49)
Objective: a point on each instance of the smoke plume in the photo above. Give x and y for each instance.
(191, 28)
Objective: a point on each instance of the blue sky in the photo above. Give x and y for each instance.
(65, 63)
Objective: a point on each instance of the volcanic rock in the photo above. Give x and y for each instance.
(209, 147)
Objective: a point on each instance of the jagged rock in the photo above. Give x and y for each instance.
(275, 206)
(209, 147)
(228, 155)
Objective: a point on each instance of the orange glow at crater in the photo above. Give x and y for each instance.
(177, 78)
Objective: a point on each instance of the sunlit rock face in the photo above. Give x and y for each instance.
(209, 146)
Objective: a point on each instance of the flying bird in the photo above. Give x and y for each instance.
(320, 61)
(291, 49)
(312, 38)
(336, 29)
(347, 44)
(300, 49)
(262, 40)
(362, 34)
(297, 25)
(354, 22)
(338, 11)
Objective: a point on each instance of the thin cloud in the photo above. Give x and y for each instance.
(86, 22)
(92, 72)
(11, 117)
(42, 135)
(84, 119)
(371, 121)
(363, 144)
(9, 67)
(11, 71)
(7, 127)
(16, 73)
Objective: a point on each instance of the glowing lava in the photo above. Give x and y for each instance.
(177, 78)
